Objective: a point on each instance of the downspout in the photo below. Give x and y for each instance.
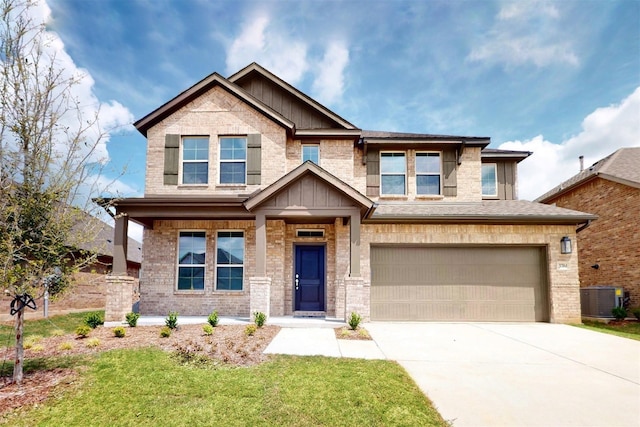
(583, 226)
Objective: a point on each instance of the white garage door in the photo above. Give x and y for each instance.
(459, 283)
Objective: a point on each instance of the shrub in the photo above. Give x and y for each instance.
(250, 330)
(132, 319)
(93, 342)
(31, 341)
(83, 331)
(119, 331)
(37, 348)
(213, 318)
(620, 313)
(260, 318)
(354, 320)
(172, 320)
(207, 329)
(165, 332)
(363, 333)
(66, 346)
(636, 313)
(57, 333)
(94, 320)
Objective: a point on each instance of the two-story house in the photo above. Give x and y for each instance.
(258, 198)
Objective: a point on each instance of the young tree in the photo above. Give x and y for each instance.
(51, 155)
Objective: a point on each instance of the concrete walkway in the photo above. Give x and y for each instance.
(527, 374)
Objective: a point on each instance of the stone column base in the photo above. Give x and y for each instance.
(260, 298)
(355, 298)
(119, 296)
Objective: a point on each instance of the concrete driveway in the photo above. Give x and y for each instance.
(531, 374)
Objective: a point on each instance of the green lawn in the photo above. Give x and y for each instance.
(150, 388)
(43, 327)
(628, 330)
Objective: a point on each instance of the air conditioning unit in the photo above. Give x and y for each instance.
(598, 301)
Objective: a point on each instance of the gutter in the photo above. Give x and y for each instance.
(583, 226)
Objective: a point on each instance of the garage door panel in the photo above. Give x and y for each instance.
(458, 283)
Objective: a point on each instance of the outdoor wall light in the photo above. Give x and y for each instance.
(565, 245)
(595, 266)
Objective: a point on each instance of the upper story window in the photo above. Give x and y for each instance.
(230, 260)
(428, 172)
(233, 160)
(393, 173)
(311, 152)
(195, 160)
(191, 260)
(489, 179)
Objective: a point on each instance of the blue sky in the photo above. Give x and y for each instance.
(560, 78)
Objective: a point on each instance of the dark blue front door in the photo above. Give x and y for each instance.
(309, 278)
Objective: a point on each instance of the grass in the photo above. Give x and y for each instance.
(44, 327)
(627, 330)
(148, 387)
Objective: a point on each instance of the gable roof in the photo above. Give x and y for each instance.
(306, 168)
(198, 89)
(622, 166)
(254, 70)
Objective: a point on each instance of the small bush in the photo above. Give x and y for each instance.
(172, 320)
(132, 319)
(57, 333)
(83, 331)
(94, 320)
(31, 341)
(66, 346)
(165, 332)
(207, 329)
(93, 342)
(363, 333)
(260, 318)
(620, 313)
(636, 313)
(213, 318)
(119, 331)
(37, 348)
(354, 320)
(250, 330)
(344, 332)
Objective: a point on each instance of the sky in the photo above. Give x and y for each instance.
(558, 78)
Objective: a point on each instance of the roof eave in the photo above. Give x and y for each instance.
(484, 219)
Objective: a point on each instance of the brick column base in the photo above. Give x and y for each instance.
(260, 298)
(340, 300)
(355, 298)
(119, 297)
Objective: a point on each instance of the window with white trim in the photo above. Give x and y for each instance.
(311, 152)
(233, 160)
(191, 260)
(489, 179)
(229, 260)
(393, 173)
(195, 160)
(428, 173)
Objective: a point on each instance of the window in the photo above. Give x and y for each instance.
(392, 173)
(310, 233)
(233, 160)
(195, 160)
(311, 152)
(489, 179)
(427, 173)
(191, 260)
(230, 261)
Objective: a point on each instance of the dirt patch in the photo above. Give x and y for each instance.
(229, 344)
(346, 333)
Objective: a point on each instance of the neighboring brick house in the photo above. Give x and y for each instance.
(258, 198)
(610, 247)
(89, 289)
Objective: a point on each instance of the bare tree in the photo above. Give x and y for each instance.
(50, 156)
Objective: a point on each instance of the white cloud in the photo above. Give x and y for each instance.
(526, 33)
(603, 132)
(287, 55)
(329, 83)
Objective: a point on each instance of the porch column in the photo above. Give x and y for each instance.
(261, 245)
(354, 231)
(120, 240)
